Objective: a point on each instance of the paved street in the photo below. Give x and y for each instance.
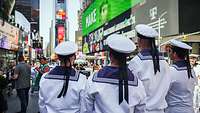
(14, 103)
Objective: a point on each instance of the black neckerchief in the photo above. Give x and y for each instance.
(66, 82)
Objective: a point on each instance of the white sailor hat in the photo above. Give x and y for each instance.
(120, 43)
(179, 44)
(66, 48)
(146, 31)
(194, 55)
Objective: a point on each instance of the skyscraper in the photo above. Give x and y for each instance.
(30, 9)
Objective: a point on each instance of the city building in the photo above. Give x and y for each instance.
(24, 6)
(9, 36)
(169, 17)
(30, 9)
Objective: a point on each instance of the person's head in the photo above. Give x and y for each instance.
(119, 48)
(12, 63)
(146, 36)
(66, 53)
(20, 58)
(177, 53)
(43, 60)
(146, 40)
(193, 59)
(180, 52)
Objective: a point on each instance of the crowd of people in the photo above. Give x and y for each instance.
(148, 84)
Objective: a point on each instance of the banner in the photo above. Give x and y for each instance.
(102, 11)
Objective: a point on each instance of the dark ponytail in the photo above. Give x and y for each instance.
(154, 52)
(188, 65)
(155, 56)
(123, 75)
(183, 54)
(66, 77)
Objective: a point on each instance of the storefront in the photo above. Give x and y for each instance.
(8, 44)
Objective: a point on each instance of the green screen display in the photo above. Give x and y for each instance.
(102, 11)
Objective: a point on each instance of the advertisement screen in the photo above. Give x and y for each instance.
(60, 33)
(102, 11)
(95, 40)
(60, 10)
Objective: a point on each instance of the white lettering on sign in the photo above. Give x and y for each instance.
(91, 18)
(153, 13)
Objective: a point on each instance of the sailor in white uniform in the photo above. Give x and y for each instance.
(114, 89)
(196, 68)
(180, 94)
(151, 68)
(62, 89)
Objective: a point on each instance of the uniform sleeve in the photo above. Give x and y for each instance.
(140, 108)
(89, 96)
(135, 68)
(82, 93)
(41, 101)
(196, 77)
(82, 101)
(172, 75)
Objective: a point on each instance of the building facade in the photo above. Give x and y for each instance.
(169, 17)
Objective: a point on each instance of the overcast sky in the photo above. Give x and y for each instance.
(46, 15)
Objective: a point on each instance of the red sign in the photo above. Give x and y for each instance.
(61, 34)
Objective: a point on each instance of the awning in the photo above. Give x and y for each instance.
(192, 37)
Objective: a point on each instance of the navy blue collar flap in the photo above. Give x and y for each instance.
(58, 73)
(110, 75)
(180, 65)
(146, 55)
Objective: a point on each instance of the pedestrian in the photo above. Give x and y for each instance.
(114, 89)
(194, 64)
(180, 94)
(62, 88)
(196, 67)
(22, 75)
(9, 74)
(43, 68)
(151, 68)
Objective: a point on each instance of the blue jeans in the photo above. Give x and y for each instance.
(23, 97)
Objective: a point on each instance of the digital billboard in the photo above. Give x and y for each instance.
(95, 40)
(102, 11)
(60, 33)
(60, 16)
(60, 10)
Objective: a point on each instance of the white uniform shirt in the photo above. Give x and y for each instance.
(156, 86)
(51, 85)
(102, 93)
(180, 94)
(197, 70)
(196, 98)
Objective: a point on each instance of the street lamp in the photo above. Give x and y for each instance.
(159, 27)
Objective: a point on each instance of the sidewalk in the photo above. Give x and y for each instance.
(14, 103)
